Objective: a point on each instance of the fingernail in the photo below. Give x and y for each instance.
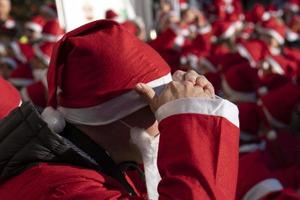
(139, 86)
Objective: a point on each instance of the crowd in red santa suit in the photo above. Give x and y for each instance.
(252, 58)
(91, 118)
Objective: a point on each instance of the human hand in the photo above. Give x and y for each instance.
(184, 85)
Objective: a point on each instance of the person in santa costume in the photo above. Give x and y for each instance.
(39, 63)
(101, 102)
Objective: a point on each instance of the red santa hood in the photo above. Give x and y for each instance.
(52, 31)
(259, 184)
(223, 29)
(253, 50)
(240, 83)
(37, 93)
(257, 14)
(281, 65)
(109, 74)
(36, 24)
(250, 121)
(277, 107)
(274, 28)
(111, 15)
(21, 76)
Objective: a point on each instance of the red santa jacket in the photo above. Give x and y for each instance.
(197, 157)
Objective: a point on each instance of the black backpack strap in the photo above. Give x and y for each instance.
(107, 165)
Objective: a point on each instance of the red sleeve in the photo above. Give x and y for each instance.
(198, 149)
(89, 189)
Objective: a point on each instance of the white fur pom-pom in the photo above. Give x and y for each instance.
(54, 119)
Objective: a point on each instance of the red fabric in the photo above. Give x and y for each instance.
(38, 21)
(256, 48)
(242, 78)
(184, 173)
(164, 41)
(281, 108)
(285, 149)
(273, 81)
(46, 50)
(203, 42)
(247, 178)
(250, 121)
(52, 28)
(274, 24)
(110, 14)
(10, 98)
(22, 72)
(37, 92)
(289, 67)
(256, 14)
(131, 27)
(97, 54)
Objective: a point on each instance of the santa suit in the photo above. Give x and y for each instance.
(198, 161)
(198, 147)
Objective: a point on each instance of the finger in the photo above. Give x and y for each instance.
(210, 88)
(145, 91)
(178, 75)
(191, 76)
(202, 81)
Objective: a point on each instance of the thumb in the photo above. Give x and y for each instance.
(145, 91)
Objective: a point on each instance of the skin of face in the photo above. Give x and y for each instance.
(5, 8)
(115, 137)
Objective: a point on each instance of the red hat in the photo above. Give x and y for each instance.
(281, 65)
(257, 14)
(249, 120)
(37, 93)
(36, 24)
(10, 98)
(23, 52)
(43, 51)
(109, 62)
(292, 5)
(261, 182)
(293, 30)
(272, 81)
(253, 50)
(110, 14)
(131, 27)
(21, 76)
(52, 31)
(247, 31)
(50, 9)
(278, 105)
(224, 29)
(274, 28)
(240, 82)
(284, 149)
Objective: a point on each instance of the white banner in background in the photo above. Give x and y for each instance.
(74, 13)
